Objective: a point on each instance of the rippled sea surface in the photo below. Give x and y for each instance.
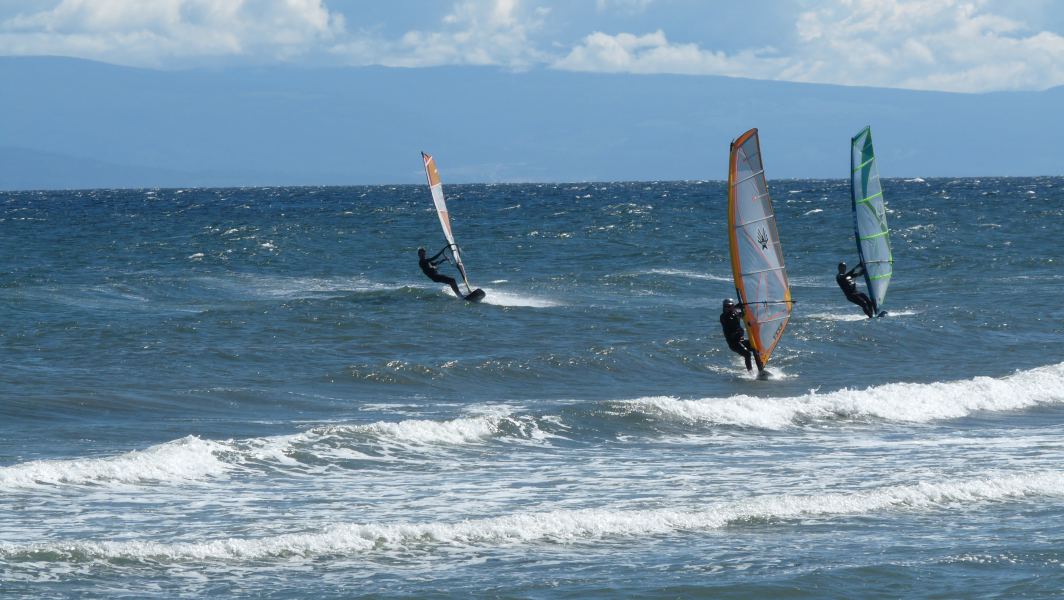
(255, 393)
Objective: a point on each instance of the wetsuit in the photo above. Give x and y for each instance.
(731, 321)
(849, 287)
(428, 267)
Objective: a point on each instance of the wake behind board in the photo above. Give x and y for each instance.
(476, 295)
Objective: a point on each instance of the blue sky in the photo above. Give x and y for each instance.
(942, 45)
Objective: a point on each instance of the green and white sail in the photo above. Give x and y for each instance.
(870, 218)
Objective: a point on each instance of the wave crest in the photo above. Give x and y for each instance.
(901, 402)
(560, 526)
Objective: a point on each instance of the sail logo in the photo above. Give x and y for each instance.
(762, 238)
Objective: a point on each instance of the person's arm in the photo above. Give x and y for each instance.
(856, 271)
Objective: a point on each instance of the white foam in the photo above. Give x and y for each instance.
(565, 526)
(304, 287)
(902, 402)
(857, 315)
(813, 212)
(688, 274)
(421, 432)
(192, 459)
(186, 459)
(495, 297)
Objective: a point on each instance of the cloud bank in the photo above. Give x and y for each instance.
(946, 45)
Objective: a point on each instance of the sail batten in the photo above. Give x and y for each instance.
(757, 258)
(436, 187)
(870, 218)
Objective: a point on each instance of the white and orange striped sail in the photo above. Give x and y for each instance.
(436, 187)
(756, 256)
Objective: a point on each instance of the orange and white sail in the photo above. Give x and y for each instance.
(756, 256)
(436, 187)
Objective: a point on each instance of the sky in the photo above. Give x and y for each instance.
(967, 46)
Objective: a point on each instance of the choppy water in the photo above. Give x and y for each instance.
(254, 392)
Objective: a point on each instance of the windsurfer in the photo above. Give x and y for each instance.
(731, 320)
(428, 267)
(849, 287)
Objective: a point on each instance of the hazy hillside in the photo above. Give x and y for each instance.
(73, 123)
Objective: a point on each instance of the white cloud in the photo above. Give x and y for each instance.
(953, 45)
(956, 45)
(624, 6)
(474, 32)
(652, 53)
(155, 32)
(949, 45)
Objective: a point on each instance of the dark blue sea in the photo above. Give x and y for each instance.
(254, 393)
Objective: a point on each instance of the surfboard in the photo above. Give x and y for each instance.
(436, 188)
(870, 219)
(756, 254)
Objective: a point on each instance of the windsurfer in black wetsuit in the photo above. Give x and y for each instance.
(428, 267)
(731, 320)
(849, 287)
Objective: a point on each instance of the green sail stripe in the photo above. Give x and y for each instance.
(875, 235)
(870, 198)
(881, 276)
(862, 165)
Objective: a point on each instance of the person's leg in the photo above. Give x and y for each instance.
(757, 357)
(739, 347)
(860, 300)
(451, 282)
(866, 305)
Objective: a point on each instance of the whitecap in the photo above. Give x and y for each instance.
(188, 458)
(688, 274)
(900, 402)
(563, 526)
(497, 298)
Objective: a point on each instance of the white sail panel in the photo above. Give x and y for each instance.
(870, 218)
(757, 257)
(436, 187)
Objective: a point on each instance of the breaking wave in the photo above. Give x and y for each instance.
(192, 459)
(901, 402)
(556, 527)
(189, 458)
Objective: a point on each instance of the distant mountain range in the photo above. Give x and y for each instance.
(68, 123)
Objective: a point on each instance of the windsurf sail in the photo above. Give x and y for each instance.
(870, 218)
(436, 187)
(756, 256)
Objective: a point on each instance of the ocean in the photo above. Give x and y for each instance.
(256, 393)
